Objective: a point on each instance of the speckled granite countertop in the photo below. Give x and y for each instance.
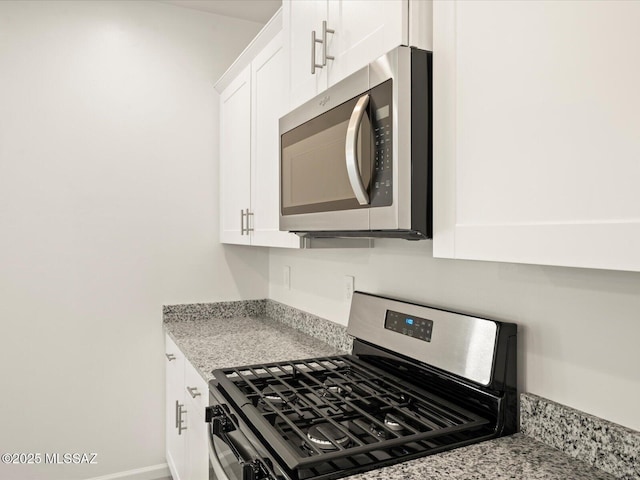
(222, 341)
(211, 344)
(516, 457)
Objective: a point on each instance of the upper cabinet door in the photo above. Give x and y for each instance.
(268, 104)
(357, 32)
(536, 132)
(235, 159)
(364, 30)
(300, 19)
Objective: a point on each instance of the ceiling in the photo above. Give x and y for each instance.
(254, 10)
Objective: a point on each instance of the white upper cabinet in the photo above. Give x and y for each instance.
(235, 159)
(536, 132)
(300, 20)
(252, 100)
(364, 31)
(268, 94)
(357, 32)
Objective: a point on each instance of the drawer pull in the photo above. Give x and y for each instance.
(193, 391)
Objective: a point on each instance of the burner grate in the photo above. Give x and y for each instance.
(356, 408)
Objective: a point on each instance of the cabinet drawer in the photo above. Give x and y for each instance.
(171, 350)
(196, 389)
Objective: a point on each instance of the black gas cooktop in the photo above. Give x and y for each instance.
(330, 417)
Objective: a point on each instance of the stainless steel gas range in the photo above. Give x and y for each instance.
(420, 380)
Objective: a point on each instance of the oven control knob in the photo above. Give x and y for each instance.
(222, 425)
(254, 470)
(215, 411)
(219, 419)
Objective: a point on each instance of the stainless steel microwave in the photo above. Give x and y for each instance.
(356, 161)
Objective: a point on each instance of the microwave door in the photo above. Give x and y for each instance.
(317, 192)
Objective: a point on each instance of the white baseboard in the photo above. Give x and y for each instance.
(154, 472)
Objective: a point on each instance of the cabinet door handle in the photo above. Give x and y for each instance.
(179, 412)
(249, 223)
(314, 65)
(170, 356)
(193, 391)
(245, 214)
(326, 30)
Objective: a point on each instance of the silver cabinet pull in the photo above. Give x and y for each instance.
(326, 30)
(314, 65)
(179, 412)
(351, 150)
(245, 214)
(193, 391)
(170, 356)
(322, 41)
(249, 224)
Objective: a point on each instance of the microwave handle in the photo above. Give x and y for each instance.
(351, 150)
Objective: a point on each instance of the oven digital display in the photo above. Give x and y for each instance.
(409, 325)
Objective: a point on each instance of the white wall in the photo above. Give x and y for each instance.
(108, 210)
(578, 328)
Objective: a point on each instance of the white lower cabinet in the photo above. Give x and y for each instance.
(174, 371)
(196, 399)
(186, 431)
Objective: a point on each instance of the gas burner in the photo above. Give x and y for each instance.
(325, 436)
(392, 423)
(278, 395)
(331, 388)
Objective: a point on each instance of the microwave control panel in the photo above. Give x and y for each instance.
(382, 180)
(381, 190)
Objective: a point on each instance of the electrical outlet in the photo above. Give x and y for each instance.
(286, 277)
(348, 287)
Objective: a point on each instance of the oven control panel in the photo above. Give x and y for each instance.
(409, 325)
